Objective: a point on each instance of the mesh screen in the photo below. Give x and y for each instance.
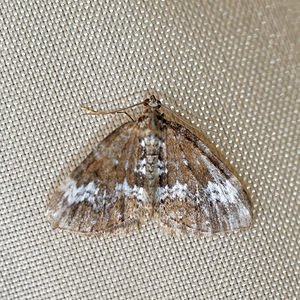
(227, 67)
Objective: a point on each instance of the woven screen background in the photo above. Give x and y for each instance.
(230, 68)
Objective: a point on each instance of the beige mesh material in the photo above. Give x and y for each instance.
(229, 67)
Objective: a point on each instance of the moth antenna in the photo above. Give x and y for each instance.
(127, 114)
(103, 112)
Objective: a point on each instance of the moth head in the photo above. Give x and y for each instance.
(152, 102)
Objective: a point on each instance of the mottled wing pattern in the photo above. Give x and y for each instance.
(197, 192)
(106, 191)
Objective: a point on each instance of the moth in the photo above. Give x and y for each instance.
(146, 169)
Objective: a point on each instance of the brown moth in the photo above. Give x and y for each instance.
(151, 168)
